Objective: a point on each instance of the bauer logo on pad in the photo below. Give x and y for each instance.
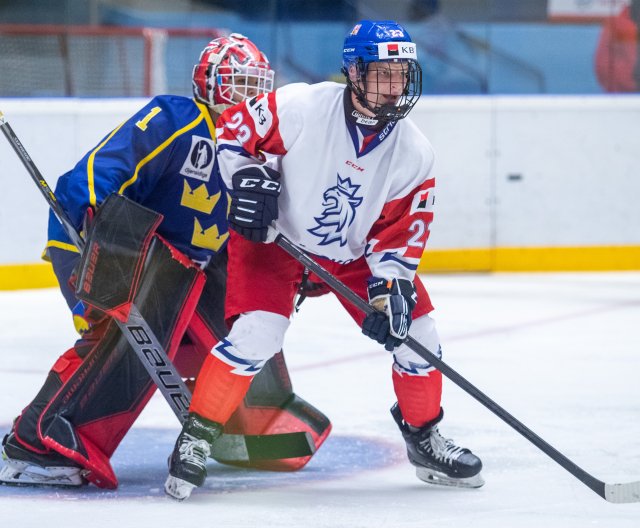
(397, 50)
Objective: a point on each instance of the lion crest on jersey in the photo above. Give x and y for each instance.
(340, 203)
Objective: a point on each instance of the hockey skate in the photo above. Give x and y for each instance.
(187, 463)
(27, 468)
(438, 460)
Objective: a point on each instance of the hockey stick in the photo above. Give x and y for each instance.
(618, 493)
(150, 351)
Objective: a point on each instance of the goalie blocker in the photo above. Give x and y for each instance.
(97, 389)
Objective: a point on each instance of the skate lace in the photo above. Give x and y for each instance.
(194, 450)
(443, 449)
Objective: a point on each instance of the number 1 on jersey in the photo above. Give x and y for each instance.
(142, 124)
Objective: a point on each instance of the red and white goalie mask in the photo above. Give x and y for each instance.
(230, 70)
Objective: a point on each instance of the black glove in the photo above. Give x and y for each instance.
(254, 201)
(394, 300)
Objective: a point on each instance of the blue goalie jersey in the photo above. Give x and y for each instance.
(163, 158)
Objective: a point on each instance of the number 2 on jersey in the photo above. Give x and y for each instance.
(419, 230)
(243, 131)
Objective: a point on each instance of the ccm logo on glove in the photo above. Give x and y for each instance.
(254, 201)
(253, 183)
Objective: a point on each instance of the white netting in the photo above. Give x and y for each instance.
(85, 61)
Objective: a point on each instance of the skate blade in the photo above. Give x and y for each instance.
(178, 489)
(17, 473)
(440, 479)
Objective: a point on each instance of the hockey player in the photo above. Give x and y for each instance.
(352, 186)
(164, 159)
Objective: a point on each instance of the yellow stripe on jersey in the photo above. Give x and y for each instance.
(90, 177)
(157, 151)
(207, 117)
(62, 245)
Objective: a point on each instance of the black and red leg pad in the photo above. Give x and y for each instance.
(88, 417)
(112, 262)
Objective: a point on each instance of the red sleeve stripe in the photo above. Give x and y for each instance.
(404, 223)
(255, 131)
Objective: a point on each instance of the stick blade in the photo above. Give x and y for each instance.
(622, 493)
(237, 448)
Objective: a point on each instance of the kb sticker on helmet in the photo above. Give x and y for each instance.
(200, 161)
(397, 50)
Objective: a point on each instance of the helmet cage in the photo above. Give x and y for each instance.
(412, 75)
(230, 70)
(243, 80)
(382, 41)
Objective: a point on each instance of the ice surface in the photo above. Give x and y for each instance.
(561, 352)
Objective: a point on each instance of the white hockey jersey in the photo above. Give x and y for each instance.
(347, 191)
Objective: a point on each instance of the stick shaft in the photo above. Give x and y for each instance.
(340, 288)
(41, 183)
(157, 364)
(148, 348)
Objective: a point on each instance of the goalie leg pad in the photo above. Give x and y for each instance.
(26, 428)
(94, 409)
(113, 259)
(28, 461)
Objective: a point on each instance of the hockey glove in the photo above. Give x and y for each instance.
(254, 201)
(394, 300)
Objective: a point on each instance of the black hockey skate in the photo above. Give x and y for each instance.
(187, 463)
(438, 460)
(23, 467)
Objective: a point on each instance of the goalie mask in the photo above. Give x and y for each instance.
(381, 66)
(230, 70)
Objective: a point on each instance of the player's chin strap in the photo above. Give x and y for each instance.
(618, 493)
(147, 346)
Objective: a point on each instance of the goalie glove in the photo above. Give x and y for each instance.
(393, 300)
(254, 201)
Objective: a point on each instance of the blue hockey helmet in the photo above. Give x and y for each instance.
(371, 41)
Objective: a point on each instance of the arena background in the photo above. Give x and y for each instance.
(535, 164)
(537, 171)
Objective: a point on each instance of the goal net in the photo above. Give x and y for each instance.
(98, 61)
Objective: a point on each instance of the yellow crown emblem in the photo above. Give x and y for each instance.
(209, 238)
(198, 199)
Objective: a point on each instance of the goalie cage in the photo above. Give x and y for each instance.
(98, 61)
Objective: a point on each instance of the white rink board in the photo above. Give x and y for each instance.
(56, 133)
(510, 171)
(534, 171)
